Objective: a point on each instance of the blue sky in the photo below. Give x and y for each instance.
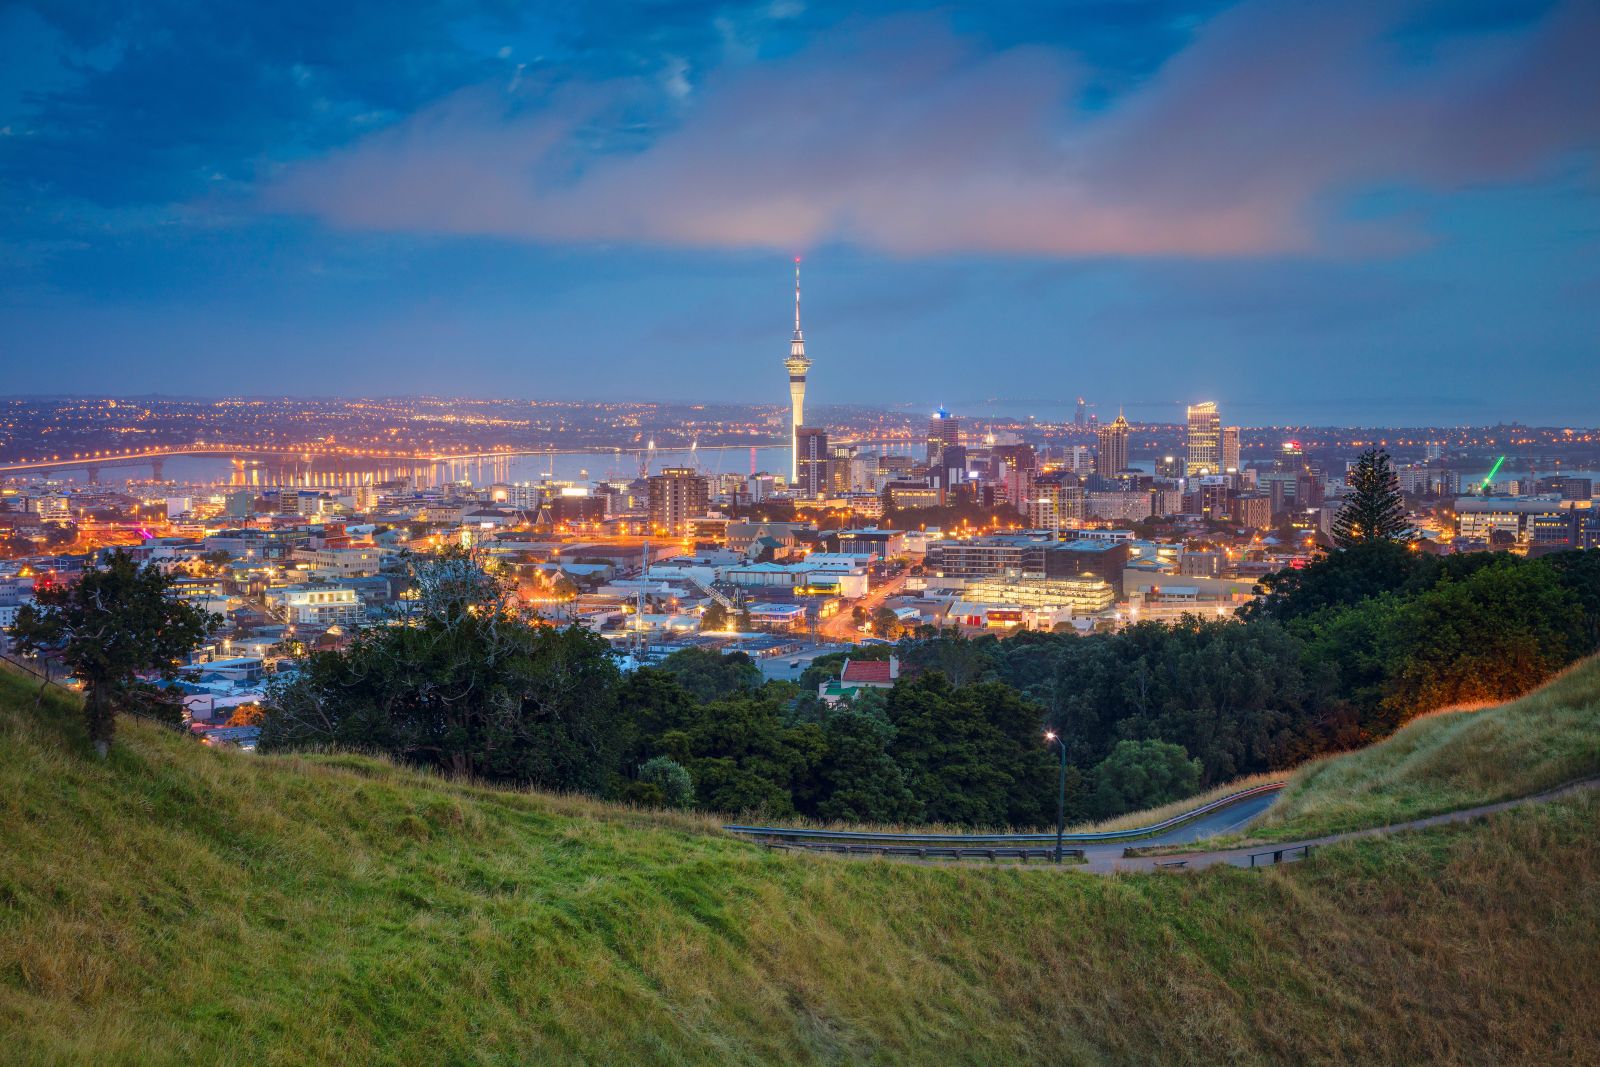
(1364, 212)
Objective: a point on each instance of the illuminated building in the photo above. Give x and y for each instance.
(1113, 456)
(1253, 510)
(797, 365)
(1057, 500)
(1230, 449)
(1203, 452)
(1085, 594)
(944, 430)
(811, 445)
(677, 495)
(317, 605)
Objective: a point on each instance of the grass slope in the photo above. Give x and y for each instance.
(177, 904)
(1451, 760)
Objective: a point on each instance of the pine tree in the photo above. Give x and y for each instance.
(1374, 511)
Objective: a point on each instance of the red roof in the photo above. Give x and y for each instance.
(867, 670)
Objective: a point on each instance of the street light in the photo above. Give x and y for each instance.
(1061, 794)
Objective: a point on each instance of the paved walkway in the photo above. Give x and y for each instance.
(1110, 861)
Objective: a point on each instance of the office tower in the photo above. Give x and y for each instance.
(1080, 417)
(1169, 467)
(1079, 459)
(677, 495)
(839, 457)
(1291, 458)
(952, 469)
(943, 429)
(1016, 457)
(1230, 449)
(811, 445)
(1113, 456)
(797, 365)
(1204, 446)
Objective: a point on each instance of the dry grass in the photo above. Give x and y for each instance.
(1450, 760)
(179, 905)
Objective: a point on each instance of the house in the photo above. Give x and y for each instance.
(859, 674)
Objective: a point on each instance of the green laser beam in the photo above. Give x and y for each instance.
(1492, 472)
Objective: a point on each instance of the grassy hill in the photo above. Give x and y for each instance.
(1451, 760)
(177, 904)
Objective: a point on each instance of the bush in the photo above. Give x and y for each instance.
(667, 778)
(1143, 774)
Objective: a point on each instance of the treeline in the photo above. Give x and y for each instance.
(1334, 655)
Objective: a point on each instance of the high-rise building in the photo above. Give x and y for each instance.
(839, 469)
(1230, 449)
(1113, 456)
(797, 364)
(1080, 417)
(943, 429)
(811, 445)
(677, 495)
(1057, 500)
(1204, 445)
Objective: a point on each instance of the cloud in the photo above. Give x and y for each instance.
(901, 137)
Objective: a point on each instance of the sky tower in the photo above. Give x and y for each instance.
(798, 364)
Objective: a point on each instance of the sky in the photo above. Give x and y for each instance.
(1359, 213)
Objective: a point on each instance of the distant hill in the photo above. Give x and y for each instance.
(183, 905)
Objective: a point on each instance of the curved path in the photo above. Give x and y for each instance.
(1219, 816)
(1109, 861)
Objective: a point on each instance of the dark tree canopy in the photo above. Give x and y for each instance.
(466, 684)
(1374, 510)
(1143, 774)
(117, 621)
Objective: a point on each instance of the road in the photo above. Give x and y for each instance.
(1110, 861)
(842, 627)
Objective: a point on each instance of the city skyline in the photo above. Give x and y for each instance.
(496, 204)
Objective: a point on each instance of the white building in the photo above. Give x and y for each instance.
(318, 605)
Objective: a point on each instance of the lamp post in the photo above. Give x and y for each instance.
(1061, 789)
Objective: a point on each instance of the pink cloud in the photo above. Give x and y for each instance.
(903, 138)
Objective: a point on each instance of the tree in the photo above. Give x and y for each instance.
(1490, 637)
(1143, 774)
(711, 675)
(662, 783)
(116, 622)
(972, 755)
(886, 505)
(1338, 580)
(741, 754)
(857, 779)
(1374, 511)
(715, 617)
(886, 624)
(464, 683)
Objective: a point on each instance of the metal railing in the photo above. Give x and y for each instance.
(781, 835)
(1022, 854)
(1287, 854)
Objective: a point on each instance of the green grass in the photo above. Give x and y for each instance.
(177, 904)
(1450, 760)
